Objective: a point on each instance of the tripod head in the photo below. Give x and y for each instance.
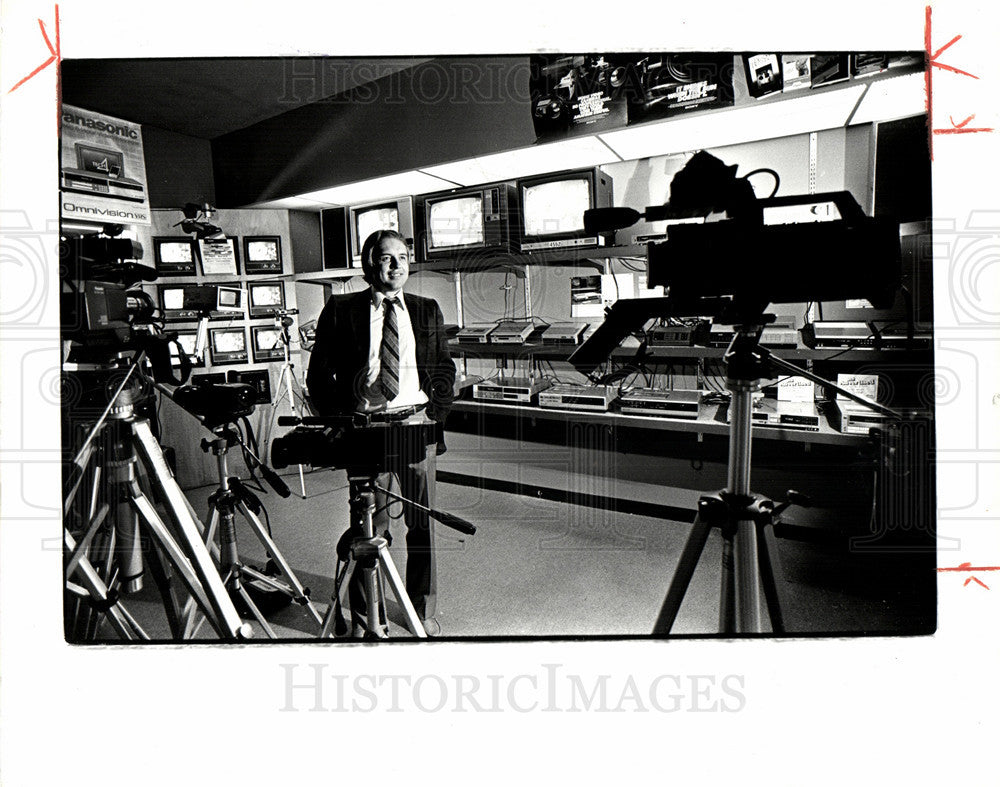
(364, 449)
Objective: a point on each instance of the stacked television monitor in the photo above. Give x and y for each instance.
(468, 220)
(530, 214)
(552, 208)
(344, 230)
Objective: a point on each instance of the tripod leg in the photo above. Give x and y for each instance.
(373, 597)
(682, 576)
(171, 604)
(175, 556)
(176, 504)
(255, 612)
(300, 594)
(84, 545)
(747, 579)
(769, 560)
(727, 586)
(396, 583)
(98, 591)
(345, 582)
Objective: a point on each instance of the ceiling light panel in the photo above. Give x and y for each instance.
(550, 157)
(891, 99)
(400, 184)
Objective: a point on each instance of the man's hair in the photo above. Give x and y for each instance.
(371, 242)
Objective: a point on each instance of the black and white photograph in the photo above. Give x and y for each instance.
(376, 381)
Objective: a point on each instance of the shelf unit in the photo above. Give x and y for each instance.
(712, 421)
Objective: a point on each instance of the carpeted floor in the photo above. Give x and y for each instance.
(542, 568)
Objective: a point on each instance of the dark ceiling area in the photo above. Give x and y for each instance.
(209, 97)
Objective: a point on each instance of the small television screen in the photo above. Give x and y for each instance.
(229, 345)
(552, 208)
(229, 298)
(556, 207)
(175, 256)
(395, 214)
(455, 222)
(262, 254)
(187, 340)
(172, 303)
(267, 344)
(369, 220)
(266, 298)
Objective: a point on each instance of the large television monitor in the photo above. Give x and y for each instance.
(552, 208)
(393, 214)
(476, 218)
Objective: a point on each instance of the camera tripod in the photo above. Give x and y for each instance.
(233, 496)
(746, 520)
(369, 554)
(282, 321)
(119, 451)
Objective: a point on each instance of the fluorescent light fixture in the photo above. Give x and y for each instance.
(893, 98)
(402, 183)
(535, 160)
(290, 203)
(718, 128)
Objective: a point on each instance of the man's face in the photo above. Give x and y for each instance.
(390, 265)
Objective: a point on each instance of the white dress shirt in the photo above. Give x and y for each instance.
(409, 394)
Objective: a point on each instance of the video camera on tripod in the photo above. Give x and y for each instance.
(746, 254)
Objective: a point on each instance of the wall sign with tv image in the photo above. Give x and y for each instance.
(262, 254)
(175, 256)
(671, 84)
(579, 94)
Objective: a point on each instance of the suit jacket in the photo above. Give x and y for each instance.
(339, 361)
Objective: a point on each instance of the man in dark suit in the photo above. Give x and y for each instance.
(385, 352)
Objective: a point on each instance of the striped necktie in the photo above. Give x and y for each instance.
(388, 354)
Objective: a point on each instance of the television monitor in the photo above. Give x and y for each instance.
(477, 218)
(180, 302)
(266, 298)
(394, 214)
(175, 256)
(229, 345)
(262, 254)
(187, 340)
(267, 344)
(552, 208)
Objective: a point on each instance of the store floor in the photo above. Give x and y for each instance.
(542, 568)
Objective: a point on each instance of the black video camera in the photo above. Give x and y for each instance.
(798, 249)
(360, 449)
(217, 404)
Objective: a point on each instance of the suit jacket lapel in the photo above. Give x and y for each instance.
(417, 321)
(360, 313)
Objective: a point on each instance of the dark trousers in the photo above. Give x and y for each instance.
(412, 477)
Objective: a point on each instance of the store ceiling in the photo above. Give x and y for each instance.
(209, 97)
